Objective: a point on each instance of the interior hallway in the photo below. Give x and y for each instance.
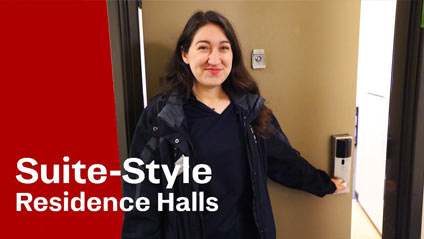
(362, 227)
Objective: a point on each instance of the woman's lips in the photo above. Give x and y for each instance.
(213, 71)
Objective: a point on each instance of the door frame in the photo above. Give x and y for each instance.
(126, 66)
(405, 157)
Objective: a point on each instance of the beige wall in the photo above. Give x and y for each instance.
(310, 83)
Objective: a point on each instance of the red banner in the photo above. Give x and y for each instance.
(58, 108)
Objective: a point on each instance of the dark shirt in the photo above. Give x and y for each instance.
(218, 142)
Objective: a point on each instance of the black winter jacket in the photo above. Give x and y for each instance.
(160, 136)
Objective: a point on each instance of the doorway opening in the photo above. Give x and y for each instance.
(376, 36)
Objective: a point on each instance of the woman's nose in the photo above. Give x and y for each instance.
(214, 58)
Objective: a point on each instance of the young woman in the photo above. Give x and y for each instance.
(210, 110)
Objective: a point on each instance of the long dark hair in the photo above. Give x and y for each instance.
(179, 77)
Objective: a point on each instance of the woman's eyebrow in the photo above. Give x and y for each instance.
(208, 42)
(202, 41)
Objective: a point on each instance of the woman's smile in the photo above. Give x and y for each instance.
(214, 70)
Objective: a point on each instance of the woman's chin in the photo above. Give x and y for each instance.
(211, 84)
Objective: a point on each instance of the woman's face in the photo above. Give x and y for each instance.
(210, 56)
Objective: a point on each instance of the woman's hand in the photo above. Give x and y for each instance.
(338, 182)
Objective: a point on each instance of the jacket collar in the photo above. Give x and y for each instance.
(249, 106)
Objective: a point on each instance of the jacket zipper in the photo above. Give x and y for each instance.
(253, 133)
(253, 175)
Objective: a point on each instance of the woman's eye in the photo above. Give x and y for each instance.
(225, 48)
(203, 48)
